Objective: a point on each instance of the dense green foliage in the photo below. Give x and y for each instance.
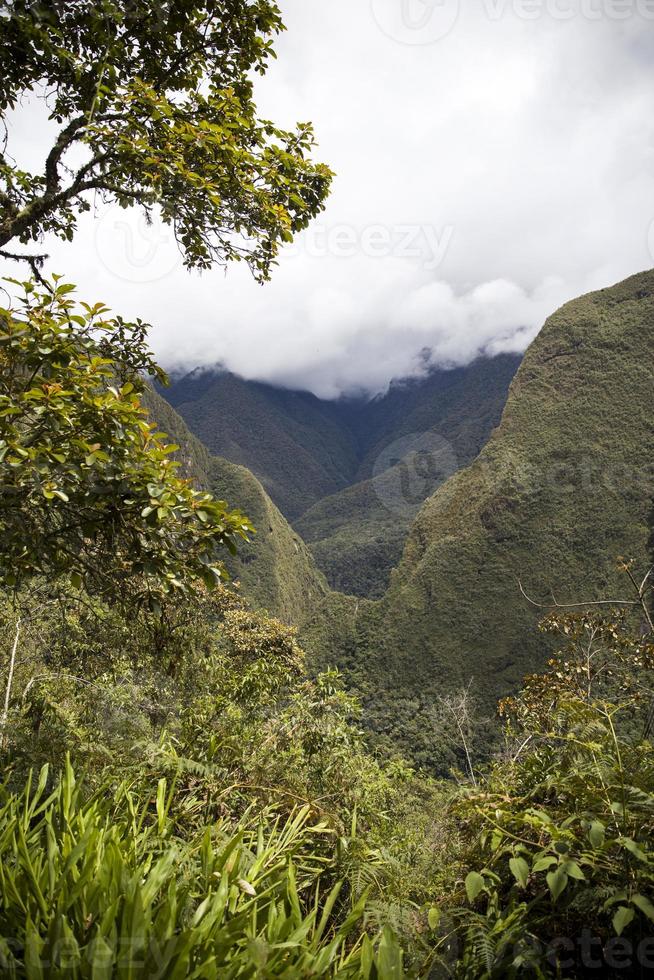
(89, 490)
(316, 458)
(258, 761)
(231, 821)
(181, 795)
(274, 567)
(155, 108)
(563, 488)
(560, 834)
(104, 886)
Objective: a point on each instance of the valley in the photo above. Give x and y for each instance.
(408, 605)
(335, 468)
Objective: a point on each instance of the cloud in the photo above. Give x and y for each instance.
(488, 170)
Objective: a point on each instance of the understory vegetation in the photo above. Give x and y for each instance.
(181, 799)
(203, 807)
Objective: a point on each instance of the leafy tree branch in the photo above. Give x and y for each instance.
(161, 101)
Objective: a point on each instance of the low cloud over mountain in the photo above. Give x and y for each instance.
(493, 160)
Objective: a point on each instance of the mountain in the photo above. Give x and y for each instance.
(332, 466)
(276, 570)
(292, 441)
(411, 441)
(563, 488)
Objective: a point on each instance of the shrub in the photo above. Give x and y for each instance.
(560, 859)
(105, 886)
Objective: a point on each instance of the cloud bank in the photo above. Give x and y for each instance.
(493, 160)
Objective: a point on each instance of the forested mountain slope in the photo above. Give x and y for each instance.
(412, 440)
(562, 490)
(316, 458)
(276, 569)
(290, 440)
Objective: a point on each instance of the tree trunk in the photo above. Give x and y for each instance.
(10, 681)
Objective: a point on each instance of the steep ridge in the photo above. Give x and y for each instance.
(276, 570)
(562, 490)
(323, 462)
(290, 440)
(461, 404)
(432, 427)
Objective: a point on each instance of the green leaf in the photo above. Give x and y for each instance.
(474, 885)
(520, 870)
(367, 954)
(572, 869)
(434, 918)
(557, 881)
(545, 862)
(101, 958)
(644, 905)
(622, 918)
(596, 833)
(389, 957)
(633, 848)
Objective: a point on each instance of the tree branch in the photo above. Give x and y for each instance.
(35, 263)
(576, 605)
(63, 141)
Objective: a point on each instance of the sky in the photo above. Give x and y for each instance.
(494, 159)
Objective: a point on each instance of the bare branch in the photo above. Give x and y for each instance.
(65, 138)
(35, 263)
(576, 605)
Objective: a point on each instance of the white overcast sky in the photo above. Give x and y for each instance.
(493, 160)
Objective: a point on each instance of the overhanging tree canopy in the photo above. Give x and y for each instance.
(88, 487)
(159, 96)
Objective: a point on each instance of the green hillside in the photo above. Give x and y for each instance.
(288, 439)
(316, 458)
(355, 540)
(276, 569)
(563, 488)
(357, 535)
(461, 404)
